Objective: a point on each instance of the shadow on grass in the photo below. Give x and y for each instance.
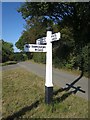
(63, 97)
(59, 90)
(67, 88)
(66, 95)
(22, 111)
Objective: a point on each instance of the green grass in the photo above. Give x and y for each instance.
(9, 63)
(23, 97)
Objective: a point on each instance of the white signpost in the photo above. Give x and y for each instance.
(48, 49)
(54, 37)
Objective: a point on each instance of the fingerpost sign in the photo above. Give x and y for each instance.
(40, 47)
(34, 48)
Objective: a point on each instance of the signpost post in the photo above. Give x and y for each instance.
(48, 83)
(39, 47)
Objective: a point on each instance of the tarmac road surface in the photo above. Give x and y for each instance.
(60, 78)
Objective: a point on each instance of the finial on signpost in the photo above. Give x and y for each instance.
(49, 28)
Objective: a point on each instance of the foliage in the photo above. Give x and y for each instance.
(46, 10)
(9, 63)
(85, 55)
(71, 19)
(20, 56)
(30, 36)
(22, 40)
(57, 62)
(7, 51)
(0, 51)
(39, 57)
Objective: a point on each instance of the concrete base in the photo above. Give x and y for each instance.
(48, 94)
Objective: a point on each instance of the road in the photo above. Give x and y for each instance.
(60, 78)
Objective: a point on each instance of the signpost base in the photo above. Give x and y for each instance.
(48, 94)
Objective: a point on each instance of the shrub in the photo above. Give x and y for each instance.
(39, 57)
(20, 56)
(57, 63)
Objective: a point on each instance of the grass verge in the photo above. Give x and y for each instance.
(9, 63)
(23, 97)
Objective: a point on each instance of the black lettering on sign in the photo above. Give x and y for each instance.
(34, 46)
(39, 49)
(27, 46)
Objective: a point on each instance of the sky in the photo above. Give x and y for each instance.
(12, 22)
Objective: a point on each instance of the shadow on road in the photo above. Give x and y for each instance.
(67, 88)
(75, 81)
(22, 111)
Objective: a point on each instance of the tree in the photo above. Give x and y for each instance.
(30, 35)
(7, 51)
(0, 51)
(75, 15)
(72, 20)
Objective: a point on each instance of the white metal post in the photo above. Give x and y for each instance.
(48, 82)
